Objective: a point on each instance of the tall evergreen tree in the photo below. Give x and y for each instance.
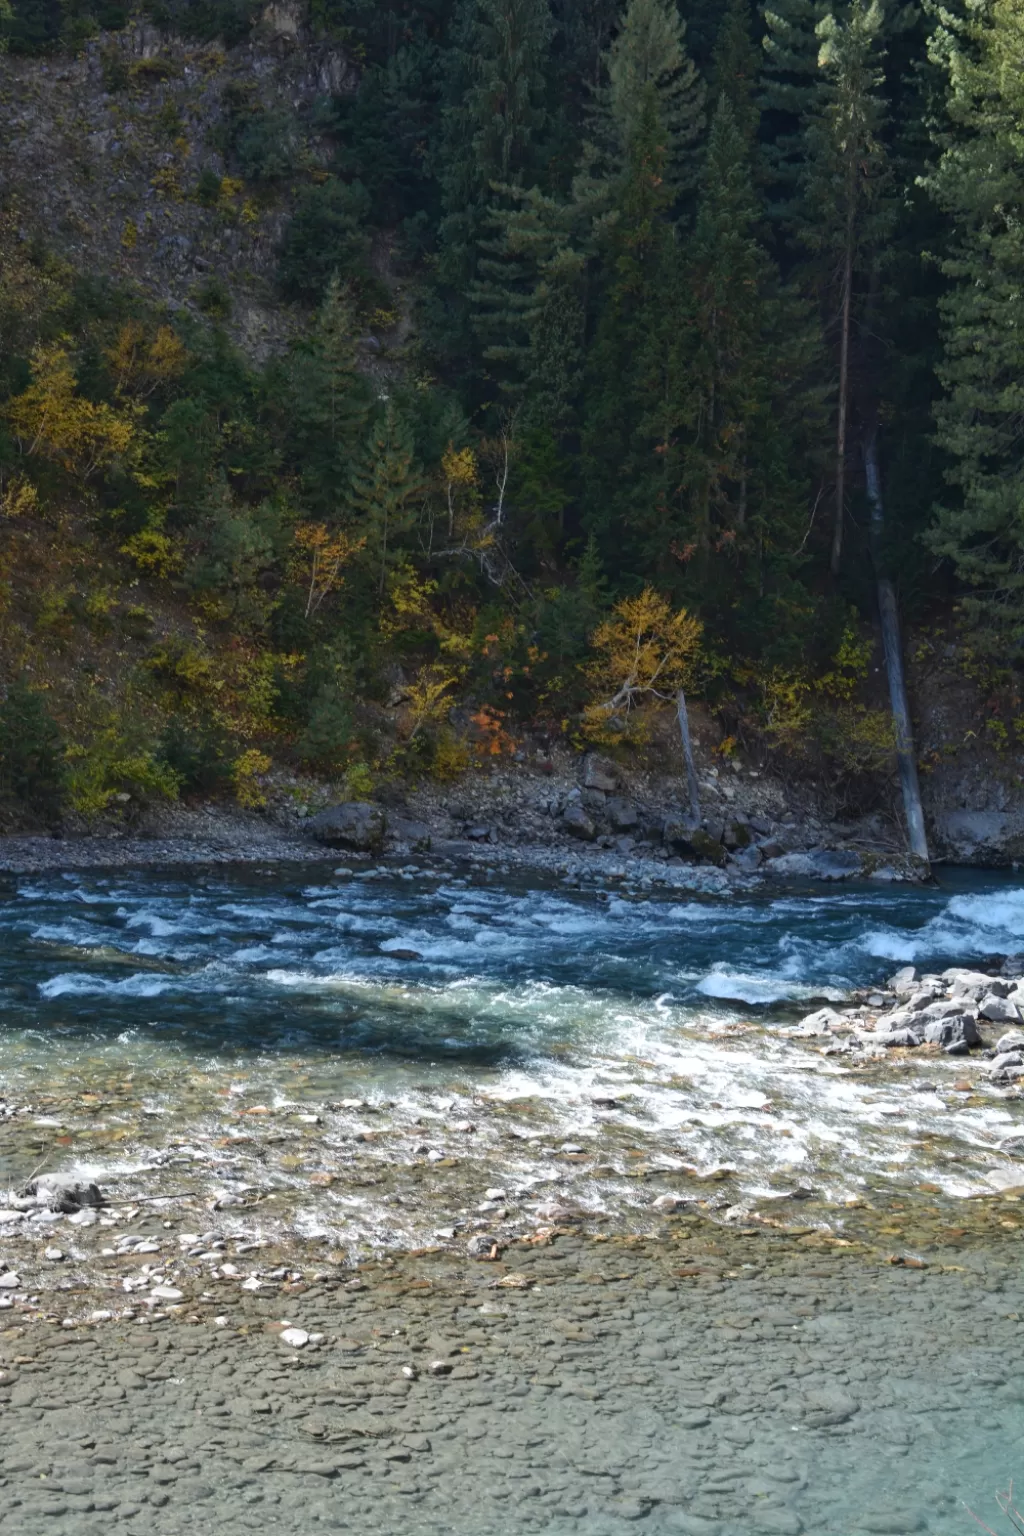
(727, 278)
(491, 126)
(979, 183)
(386, 493)
(328, 401)
(790, 85)
(847, 208)
(647, 77)
(736, 68)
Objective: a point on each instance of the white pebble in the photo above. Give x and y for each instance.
(298, 1338)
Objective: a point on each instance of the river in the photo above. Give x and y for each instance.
(372, 1062)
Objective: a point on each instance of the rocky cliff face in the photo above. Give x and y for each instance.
(113, 157)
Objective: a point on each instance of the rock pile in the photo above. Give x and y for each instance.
(952, 1011)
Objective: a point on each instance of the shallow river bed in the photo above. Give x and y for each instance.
(580, 1232)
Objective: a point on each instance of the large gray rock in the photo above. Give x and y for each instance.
(576, 821)
(952, 1031)
(904, 1037)
(403, 829)
(600, 773)
(357, 825)
(63, 1192)
(736, 834)
(991, 837)
(999, 1010)
(817, 864)
(746, 860)
(622, 814)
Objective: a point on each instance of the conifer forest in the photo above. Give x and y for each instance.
(625, 347)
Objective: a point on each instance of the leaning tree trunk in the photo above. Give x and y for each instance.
(889, 614)
(691, 771)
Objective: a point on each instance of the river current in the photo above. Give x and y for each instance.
(376, 1049)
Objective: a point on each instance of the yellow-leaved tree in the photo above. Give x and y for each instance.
(324, 556)
(50, 418)
(644, 653)
(142, 363)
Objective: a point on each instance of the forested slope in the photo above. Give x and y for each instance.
(380, 385)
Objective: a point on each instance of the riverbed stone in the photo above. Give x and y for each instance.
(358, 825)
(999, 1010)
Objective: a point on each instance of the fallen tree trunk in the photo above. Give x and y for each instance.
(691, 772)
(888, 611)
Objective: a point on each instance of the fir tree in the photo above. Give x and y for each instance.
(728, 274)
(846, 209)
(647, 77)
(490, 127)
(790, 85)
(328, 402)
(735, 69)
(979, 182)
(386, 492)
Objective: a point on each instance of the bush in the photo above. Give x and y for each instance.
(328, 741)
(32, 766)
(118, 764)
(200, 756)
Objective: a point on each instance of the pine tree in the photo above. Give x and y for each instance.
(846, 207)
(328, 403)
(386, 492)
(647, 76)
(491, 124)
(728, 273)
(790, 86)
(736, 68)
(979, 183)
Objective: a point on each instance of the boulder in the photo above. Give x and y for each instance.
(692, 842)
(904, 1037)
(923, 999)
(405, 830)
(600, 773)
(1005, 1059)
(704, 846)
(576, 821)
(822, 1022)
(817, 864)
(622, 814)
(985, 837)
(903, 980)
(747, 860)
(999, 1010)
(952, 1031)
(735, 835)
(357, 825)
(63, 1192)
(1013, 1040)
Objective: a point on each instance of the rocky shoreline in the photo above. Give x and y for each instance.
(565, 816)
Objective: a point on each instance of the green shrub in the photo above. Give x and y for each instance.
(214, 298)
(200, 755)
(32, 765)
(208, 187)
(328, 741)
